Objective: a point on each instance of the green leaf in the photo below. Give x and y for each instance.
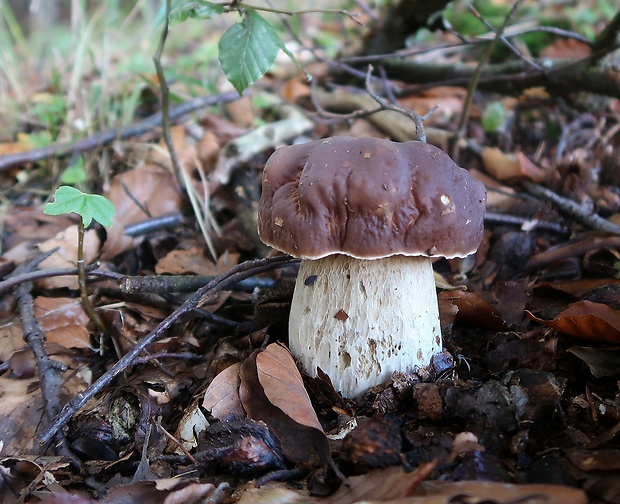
(248, 49)
(493, 117)
(200, 9)
(75, 173)
(181, 10)
(88, 206)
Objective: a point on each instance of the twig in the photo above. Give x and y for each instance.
(164, 284)
(165, 94)
(610, 36)
(104, 138)
(576, 247)
(562, 77)
(524, 223)
(473, 84)
(572, 208)
(239, 272)
(14, 281)
(49, 371)
(420, 135)
(146, 226)
(504, 40)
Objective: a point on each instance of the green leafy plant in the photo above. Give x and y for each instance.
(89, 207)
(493, 117)
(247, 49)
(75, 173)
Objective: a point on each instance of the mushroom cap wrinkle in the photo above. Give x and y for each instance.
(369, 198)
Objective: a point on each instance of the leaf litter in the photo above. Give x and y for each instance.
(526, 409)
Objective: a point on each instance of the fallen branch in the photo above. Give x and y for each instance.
(103, 138)
(49, 370)
(572, 208)
(239, 272)
(561, 77)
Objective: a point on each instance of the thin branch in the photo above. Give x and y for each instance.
(420, 135)
(14, 281)
(610, 36)
(49, 370)
(353, 16)
(104, 138)
(572, 208)
(239, 272)
(504, 40)
(165, 94)
(471, 90)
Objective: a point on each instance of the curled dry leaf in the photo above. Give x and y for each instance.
(511, 167)
(268, 388)
(300, 443)
(472, 309)
(586, 320)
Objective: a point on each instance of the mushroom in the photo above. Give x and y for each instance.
(365, 215)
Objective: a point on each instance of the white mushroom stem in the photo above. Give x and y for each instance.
(361, 320)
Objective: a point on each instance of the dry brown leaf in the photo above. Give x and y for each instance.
(566, 48)
(283, 385)
(154, 188)
(21, 412)
(241, 112)
(66, 256)
(11, 338)
(586, 320)
(194, 261)
(294, 90)
(208, 149)
(222, 395)
(299, 443)
(448, 100)
(63, 320)
(384, 485)
(509, 166)
(493, 493)
(472, 309)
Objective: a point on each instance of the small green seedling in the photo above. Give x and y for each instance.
(493, 117)
(88, 206)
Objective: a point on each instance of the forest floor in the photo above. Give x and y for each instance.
(190, 394)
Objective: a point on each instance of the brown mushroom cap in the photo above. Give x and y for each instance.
(369, 198)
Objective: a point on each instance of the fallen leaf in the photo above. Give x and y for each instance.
(472, 309)
(300, 443)
(283, 385)
(222, 395)
(66, 256)
(63, 320)
(586, 320)
(510, 166)
(601, 361)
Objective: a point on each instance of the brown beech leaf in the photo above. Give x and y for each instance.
(63, 320)
(510, 166)
(284, 386)
(472, 309)
(601, 361)
(66, 256)
(222, 395)
(300, 443)
(586, 320)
